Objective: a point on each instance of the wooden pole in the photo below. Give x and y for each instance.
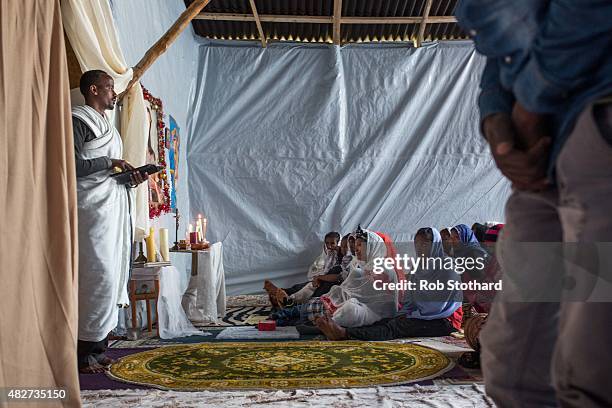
(337, 18)
(164, 42)
(421, 34)
(262, 36)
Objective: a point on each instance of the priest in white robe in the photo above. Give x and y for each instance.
(105, 224)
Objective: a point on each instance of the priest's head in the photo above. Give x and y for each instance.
(98, 88)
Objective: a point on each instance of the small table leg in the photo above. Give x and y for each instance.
(133, 302)
(156, 303)
(194, 263)
(149, 322)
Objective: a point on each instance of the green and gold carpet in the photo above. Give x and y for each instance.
(286, 365)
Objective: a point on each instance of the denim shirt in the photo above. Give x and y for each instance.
(552, 56)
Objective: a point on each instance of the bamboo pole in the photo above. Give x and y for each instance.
(262, 36)
(337, 18)
(164, 42)
(421, 34)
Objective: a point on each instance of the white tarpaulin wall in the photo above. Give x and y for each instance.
(289, 142)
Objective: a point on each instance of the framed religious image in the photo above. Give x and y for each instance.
(173, 143)
(159, 189)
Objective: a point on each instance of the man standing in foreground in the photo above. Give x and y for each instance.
(104, 220)
(547, 115)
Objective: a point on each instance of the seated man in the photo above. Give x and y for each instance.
(324, 262)
(424, 314)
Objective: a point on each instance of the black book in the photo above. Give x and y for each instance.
(125, 177)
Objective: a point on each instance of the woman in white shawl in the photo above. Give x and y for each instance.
(361, 299)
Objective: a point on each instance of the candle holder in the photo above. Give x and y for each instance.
(176, 223)
(141, 256)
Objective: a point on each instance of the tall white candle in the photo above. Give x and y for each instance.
(204, 224)
(163, 244)
(199, 228)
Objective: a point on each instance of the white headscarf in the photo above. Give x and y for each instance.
(359, 284)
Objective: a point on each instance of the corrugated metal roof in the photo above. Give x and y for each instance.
(323, 32)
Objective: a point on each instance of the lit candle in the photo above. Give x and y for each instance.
(189, 231)
(163, 244)
(199, 228)
(204, 223)
(151, 246)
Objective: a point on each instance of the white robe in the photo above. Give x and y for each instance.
(358, 301)
(105, 233)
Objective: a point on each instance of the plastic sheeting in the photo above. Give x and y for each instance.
(289, 142)
(140, 23)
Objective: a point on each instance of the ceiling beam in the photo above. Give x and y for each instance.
(262, 36)
(285, 18)
(269, 18)
(421, 34)
(337, 21)
(398, 20)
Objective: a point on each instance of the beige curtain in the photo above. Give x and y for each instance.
(92, 34)
(38, 247)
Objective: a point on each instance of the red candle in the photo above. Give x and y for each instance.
(193, 237)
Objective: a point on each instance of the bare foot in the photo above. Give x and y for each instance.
(94, 368)
(269, 287)
(330, 329)
(280, 296)
(105, 360)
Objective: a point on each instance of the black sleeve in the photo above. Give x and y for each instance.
(85, 167)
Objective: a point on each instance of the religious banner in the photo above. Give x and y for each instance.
(159, 189)
(172, 145)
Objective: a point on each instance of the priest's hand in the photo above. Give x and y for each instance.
(135, 178)
(138, 177)
(122, 164)
(522, 160)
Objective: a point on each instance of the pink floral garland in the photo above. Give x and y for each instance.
(157, 106)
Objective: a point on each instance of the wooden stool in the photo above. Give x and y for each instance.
(144, 274)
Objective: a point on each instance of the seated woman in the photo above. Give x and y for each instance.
(357, 301)
(479, 231)
(480, 301)
(426, 313)
(325, 261)
(465, 244)
(321, 284)
(446, 241)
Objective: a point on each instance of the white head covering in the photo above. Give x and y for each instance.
(359, 284)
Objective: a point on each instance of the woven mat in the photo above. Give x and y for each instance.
(241, 316)
(281, 365)
(251, 333)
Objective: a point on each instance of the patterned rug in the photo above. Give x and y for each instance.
(286, 365)
(241, 316)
